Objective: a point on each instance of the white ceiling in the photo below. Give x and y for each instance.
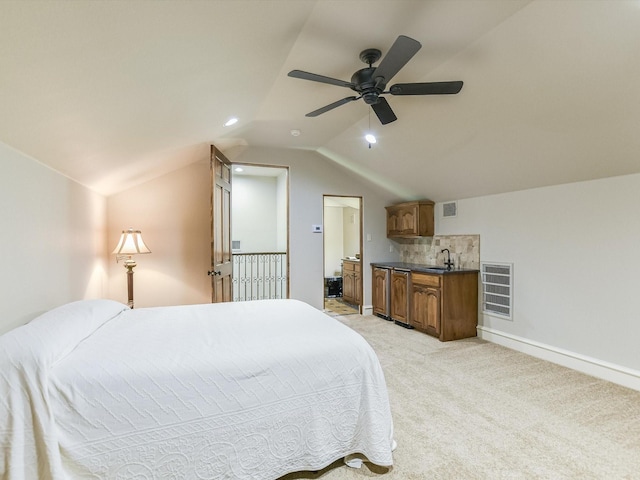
(112, 93)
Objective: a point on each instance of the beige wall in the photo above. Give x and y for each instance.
(351, 231)
(333, 240)
(576, 260)
(52, 241)
(255, 213)
(173, 213)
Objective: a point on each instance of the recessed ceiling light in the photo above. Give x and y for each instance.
(369, 137)
(231, 121)
(239, 169)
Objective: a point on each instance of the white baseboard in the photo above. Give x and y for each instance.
(367, 310)
(591, 366)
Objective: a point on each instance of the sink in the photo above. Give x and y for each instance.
(436, 269)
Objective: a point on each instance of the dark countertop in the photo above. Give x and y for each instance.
(416, 267)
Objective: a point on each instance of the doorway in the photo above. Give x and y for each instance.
(342, 246)
(260, 231)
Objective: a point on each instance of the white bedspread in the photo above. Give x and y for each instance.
(243, 390)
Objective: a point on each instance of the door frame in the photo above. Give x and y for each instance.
(361, 246)
(288, 186)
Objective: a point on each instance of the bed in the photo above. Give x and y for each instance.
(254, 390)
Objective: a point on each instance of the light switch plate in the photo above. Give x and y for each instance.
(316, 228)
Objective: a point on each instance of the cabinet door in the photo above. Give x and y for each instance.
(379, 293)
(408, 220)
(402, 220)
(348, 287)
(425, 303)
(400, 296)
(393, 221)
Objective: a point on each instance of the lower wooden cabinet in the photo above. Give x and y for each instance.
(445, 305)
(400, 309)
(425, 302)
(379, 297)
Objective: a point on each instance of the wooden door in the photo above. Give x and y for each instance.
(221, 260)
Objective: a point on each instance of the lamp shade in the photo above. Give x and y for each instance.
(131, 243)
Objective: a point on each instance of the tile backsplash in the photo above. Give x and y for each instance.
(465, 250)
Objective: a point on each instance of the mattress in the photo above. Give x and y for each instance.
(237, 390)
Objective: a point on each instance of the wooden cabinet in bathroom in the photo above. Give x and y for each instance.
(352, 282)
(410, 219)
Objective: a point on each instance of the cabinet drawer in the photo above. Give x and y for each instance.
(348, 266)
(426, 279)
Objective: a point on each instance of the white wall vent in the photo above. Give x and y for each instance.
(449, 209)
(497, 289)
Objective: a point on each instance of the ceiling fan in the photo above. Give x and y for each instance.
(370, 82)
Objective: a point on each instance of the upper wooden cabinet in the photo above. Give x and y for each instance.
(410, 219)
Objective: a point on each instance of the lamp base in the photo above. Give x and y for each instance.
(129, 264)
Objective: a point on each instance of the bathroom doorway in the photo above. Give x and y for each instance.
(342, 246)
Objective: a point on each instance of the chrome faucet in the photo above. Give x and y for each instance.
(448, 263)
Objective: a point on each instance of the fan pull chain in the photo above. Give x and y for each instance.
(369, 130)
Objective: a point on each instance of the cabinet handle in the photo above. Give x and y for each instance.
(214, 273)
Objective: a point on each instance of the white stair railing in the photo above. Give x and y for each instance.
(258, 276)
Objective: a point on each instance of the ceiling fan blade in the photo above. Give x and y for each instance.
(397, 57)
(429, 88)
(331, 106)
(319, 78)
(383, 111)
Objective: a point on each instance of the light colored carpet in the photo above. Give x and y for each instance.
(471, 410)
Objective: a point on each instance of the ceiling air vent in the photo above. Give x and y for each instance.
(497, 289)
(449, 209)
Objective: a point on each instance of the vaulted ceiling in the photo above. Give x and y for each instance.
(112, 93)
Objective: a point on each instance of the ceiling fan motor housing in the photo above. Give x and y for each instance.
(365, 84)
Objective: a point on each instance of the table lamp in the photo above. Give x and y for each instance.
(130, 244)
